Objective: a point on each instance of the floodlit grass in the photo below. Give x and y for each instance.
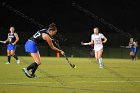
(56, 76)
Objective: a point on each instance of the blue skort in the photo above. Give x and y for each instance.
(133, 50)
(11, 47)
(31, 47)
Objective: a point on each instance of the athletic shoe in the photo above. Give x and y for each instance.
(18, 61)
(33, 76)
(26, 72)
(7, 63)
(101, 67)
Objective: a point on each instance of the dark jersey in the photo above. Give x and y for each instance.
(132, 44)
(11, 38)
(37, 37)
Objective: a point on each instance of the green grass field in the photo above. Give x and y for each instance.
(56, 76)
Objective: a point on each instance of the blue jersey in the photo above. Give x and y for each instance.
(133, 46)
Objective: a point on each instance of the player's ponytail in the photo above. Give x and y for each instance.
(52, 27)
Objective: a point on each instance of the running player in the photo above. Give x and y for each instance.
(11, 47)
(133, 50)
(31, 47)
(96, 39)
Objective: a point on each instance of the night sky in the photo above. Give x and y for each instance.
(123, 14)
(41, 11)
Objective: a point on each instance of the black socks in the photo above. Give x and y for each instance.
(33, 66)
(133, 58)
(9, 58)
(15, 56)
(34, 69)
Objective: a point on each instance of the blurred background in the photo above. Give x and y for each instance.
(118, 20)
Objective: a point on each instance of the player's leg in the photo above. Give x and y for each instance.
(96, 54)
(100, 58)
(135, 54)
(15, 56)
(132, 55)
(135, 57)
(35, 64)
(31, 48)
(8, 57)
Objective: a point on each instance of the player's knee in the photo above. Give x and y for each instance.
(132, 54)
(98, 57)
(12, 54)
(8, 54)
(38, 62)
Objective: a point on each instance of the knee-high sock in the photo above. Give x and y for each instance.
(100, 61)
(15, 56)
(33, 66)
(34, 69)
(9, 58)
(132, 57)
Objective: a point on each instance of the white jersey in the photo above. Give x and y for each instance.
(97, 39)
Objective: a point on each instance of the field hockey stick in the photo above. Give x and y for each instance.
(5, 43)
(72, 65)
(2, 42)
(125, 46)
(85, 44)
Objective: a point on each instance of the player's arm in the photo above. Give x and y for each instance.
(130, 44)
(135, 44)
(105, 40)
(50, 43)
(17, 38)
(89, 43)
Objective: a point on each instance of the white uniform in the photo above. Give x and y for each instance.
(97, 39)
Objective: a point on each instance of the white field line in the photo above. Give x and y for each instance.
(69, 82)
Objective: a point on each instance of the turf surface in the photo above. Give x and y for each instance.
(56, 76)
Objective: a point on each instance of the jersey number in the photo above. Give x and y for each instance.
(37, 35)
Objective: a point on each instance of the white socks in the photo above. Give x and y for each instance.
(100, 62)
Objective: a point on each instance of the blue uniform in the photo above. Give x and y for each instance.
(133, 50)
(11, 39)
(31, 44)
(133, 47)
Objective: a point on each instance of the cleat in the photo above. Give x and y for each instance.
(101, 67)
(18, 61)
(7, 63)
(26, 72)
(33, 76)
